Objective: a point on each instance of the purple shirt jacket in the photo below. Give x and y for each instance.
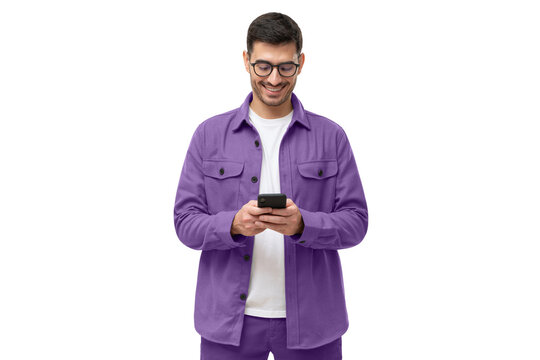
(317, 170)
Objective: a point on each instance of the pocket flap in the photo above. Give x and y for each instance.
(222, 169)
(318, 169)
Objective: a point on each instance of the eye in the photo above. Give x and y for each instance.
(263, 67)
(287, 67)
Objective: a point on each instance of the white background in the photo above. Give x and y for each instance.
(98, 102)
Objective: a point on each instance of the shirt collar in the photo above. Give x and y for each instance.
(242, 113)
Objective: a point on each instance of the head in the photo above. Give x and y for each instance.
(273, 39)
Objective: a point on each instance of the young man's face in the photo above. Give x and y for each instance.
(274, 89)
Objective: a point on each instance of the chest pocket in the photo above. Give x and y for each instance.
(316, 185)
(222, 183)
(318, 169)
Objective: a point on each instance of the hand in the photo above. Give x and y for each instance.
(245, 218)
(287, 221)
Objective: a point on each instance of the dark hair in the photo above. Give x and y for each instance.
(276, 29)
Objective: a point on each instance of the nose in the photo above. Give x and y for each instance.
(274, 78)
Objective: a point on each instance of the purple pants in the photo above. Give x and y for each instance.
(260, 336)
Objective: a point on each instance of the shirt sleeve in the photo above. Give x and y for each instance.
(195, 227)
(347, 224)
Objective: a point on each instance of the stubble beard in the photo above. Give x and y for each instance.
(273, 102)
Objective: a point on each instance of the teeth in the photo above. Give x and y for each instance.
(273, 89)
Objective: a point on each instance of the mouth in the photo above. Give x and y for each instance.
(273, 90)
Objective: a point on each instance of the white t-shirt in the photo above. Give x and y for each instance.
(266, 294)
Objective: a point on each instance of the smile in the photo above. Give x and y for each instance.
(273, 89)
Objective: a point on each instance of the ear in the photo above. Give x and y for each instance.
(246, 60)
(301, 62)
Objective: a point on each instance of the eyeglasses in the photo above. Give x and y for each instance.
(264, 68)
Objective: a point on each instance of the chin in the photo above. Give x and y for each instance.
(273, 101)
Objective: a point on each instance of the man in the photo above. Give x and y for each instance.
(270, 279)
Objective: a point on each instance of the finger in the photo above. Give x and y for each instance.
(274, 219)
(267, 225)
(283, 212)
(287, 211)
(255, 210)
(259, 225)
(252, 218)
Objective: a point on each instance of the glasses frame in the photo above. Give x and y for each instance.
(274, 66)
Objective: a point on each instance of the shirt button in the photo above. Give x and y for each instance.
(221, 171)
(254, 179)
(257, 143)
(320, 172)
(243, 296)
(247, 257)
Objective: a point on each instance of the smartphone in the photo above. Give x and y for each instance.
(275, 200)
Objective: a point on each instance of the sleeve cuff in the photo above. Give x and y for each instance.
(310, 233)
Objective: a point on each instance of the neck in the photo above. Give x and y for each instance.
(270, 112)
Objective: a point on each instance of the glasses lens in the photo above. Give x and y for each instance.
(262, 69)
(287, 69)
